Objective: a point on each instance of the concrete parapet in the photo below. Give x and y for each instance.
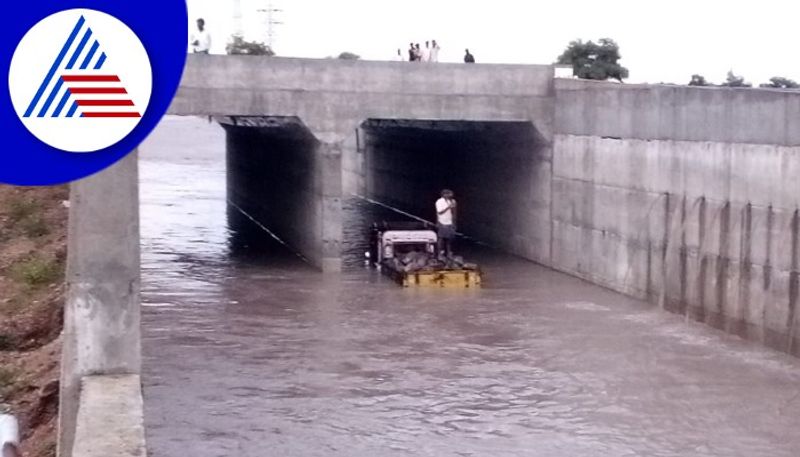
(110, 418)
(668, 112)
(102, 312)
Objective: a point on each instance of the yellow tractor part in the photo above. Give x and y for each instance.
(440, 278)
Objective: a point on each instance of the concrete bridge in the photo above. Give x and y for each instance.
(684, 196)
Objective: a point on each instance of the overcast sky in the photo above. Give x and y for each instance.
(660, 41)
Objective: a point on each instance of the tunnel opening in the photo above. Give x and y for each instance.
(496, 169)
(272, 186)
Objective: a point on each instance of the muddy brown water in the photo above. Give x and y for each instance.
(262, 356)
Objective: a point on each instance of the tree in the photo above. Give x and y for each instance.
(240, 46)
(698, 80)
(599, 61)
(735, 81)
(779, 82)
(348, 56)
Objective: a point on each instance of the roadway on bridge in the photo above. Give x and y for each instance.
(260, 355)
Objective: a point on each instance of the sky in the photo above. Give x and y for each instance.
(660, 41)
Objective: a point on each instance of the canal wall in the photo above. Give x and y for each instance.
(687, 197)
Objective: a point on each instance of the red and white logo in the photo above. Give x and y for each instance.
(80, 80)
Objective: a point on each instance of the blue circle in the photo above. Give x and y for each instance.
(160, 25)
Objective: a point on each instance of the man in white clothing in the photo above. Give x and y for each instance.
(200, 40)
(434, 51)
(446, 222)
(426, 53)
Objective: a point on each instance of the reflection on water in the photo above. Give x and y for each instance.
(261, 355)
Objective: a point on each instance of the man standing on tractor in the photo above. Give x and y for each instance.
(446, 222)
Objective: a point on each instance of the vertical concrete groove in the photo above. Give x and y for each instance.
(745, 270)
(723, 264)
(683, 258)
(702, 259)
(767, 272)
(665, 249)
(793, 282)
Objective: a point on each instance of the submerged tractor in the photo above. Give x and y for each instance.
(406, 252)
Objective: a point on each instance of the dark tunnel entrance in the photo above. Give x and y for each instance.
(271, 185)
(498, 170)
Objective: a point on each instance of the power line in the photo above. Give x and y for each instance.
(237, 18)
(271, 21)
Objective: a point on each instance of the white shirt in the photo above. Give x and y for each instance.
(426, 55)
(445, 218)
(203, 41)
(435, 53)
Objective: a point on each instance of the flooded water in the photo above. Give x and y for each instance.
(263, 356)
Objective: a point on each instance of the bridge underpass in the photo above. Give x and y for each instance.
(276, 180)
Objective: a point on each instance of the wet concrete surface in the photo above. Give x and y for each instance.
(261, 355)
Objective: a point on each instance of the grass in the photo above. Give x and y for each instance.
(21, 208)
(23, 213)
(36, 271)
(7, 378)
(34, 226)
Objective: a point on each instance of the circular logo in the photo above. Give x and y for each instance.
(80, 80)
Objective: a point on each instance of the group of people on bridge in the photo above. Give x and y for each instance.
(430, 53)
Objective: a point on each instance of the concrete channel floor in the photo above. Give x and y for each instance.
(265, 357)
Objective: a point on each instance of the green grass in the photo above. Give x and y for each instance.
(36, 271)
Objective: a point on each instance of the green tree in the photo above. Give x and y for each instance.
(779, 82)
(735, 81)
(348, 56)
(699, 80)
(239, 46)
(589, 60)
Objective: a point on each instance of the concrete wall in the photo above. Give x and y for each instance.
(102, 312)
(694, 189)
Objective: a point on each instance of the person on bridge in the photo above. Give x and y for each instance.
(412, 53)
(201, 40)
(426, 53)
(446, 222)
(434, 51)
(468, 58)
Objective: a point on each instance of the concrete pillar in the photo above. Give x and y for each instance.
(329, 155)
(102, 311)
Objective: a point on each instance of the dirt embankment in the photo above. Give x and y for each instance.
(33, 229)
